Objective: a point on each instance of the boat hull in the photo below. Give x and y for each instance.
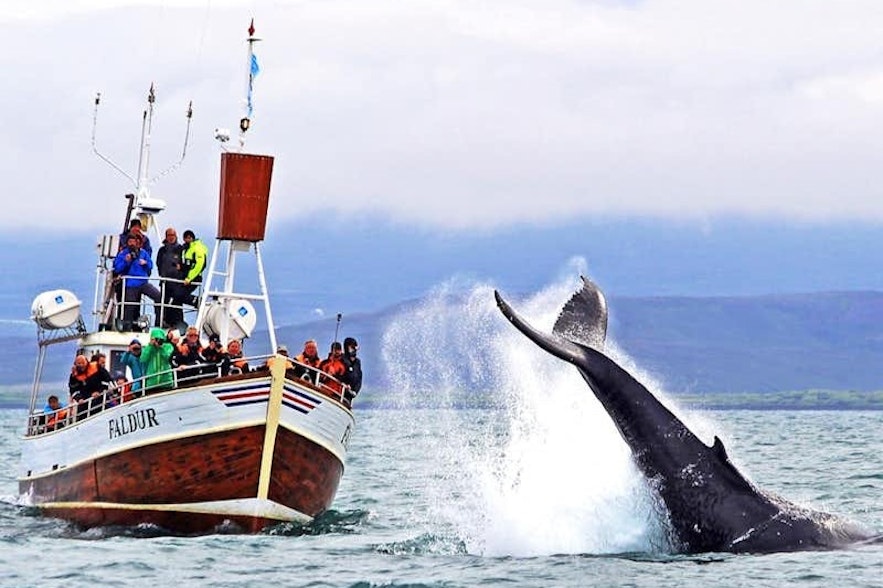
(248, 452)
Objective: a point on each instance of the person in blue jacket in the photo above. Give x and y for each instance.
(133, 265)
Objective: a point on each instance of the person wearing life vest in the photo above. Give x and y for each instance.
(78, 383)
(81, 384)
(194, 257)
(309, 358)
(121, 391)
(55, 413)
(333, 366)
(283, 351)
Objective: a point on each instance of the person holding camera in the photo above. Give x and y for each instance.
(133, 265)
(156, 362)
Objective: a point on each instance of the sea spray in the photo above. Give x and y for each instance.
(550, 474)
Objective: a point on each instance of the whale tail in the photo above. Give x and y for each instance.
(583, 319)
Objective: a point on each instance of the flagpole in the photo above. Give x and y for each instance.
(251, 70)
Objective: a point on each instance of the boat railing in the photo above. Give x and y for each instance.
(132, 315)
(184, 377)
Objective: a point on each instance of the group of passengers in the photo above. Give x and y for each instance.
(340, 372)
(92, 388)
(180, 265)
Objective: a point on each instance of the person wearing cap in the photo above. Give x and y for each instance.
(134, 265)
(156, 362)
(136, 228)
(132, 359)
(353, 376)
(194, 257)
(333, 366)
(283, 351)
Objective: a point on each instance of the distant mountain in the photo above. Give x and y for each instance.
(694, 337)
(366, 264)
(692, 345)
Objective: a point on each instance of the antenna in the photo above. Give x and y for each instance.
(252, 69)
(337, 328)
(142, 200)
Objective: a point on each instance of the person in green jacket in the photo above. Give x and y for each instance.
(194, 258)
(155, 362)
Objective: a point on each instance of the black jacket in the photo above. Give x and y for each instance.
(353, 375)
(168, 261)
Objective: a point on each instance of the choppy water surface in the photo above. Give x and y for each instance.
(452, 498)
(537, 491)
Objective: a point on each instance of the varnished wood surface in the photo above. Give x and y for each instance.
(305, 476)
(205, 468)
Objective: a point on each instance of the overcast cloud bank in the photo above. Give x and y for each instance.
(457, 115)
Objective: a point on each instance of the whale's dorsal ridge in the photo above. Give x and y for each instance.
(583, 319)
(719, 450)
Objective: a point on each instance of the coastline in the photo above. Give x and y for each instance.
(15, 397)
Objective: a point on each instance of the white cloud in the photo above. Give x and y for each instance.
(454, 113)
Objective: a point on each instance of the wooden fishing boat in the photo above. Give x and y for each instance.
(214, 447)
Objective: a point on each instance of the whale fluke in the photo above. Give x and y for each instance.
(711, 505)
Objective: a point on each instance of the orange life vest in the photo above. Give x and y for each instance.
(333, 367)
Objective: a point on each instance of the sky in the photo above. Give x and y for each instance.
(454, 115)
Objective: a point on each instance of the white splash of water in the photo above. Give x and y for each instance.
(551, 474)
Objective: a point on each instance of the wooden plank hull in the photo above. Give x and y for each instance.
(195, 479)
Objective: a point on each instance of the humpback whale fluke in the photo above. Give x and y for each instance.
(711, 505)
(583, 318)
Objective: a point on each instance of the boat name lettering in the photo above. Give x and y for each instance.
(129, 423)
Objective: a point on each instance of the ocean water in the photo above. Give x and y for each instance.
(445, 497)
(535, 488)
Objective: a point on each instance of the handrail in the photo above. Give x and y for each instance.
(42, 422)
(160, 306)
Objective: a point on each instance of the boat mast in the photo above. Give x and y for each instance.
(251, 71)
(242, 215)
(141, 204)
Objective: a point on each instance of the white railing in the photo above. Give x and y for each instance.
(115, 310)
(183, 377)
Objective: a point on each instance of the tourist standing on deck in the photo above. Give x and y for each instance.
(171, 267)
(194, 257)
(232, 359)
(308, 357)
(132, 360)
(155, 361)
(136, 229)
(353, 376)
(334, 367)
(134, 265)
